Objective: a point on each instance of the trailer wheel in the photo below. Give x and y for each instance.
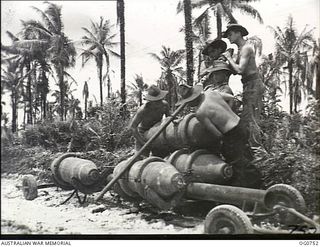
(29, 187)
(227, 219)
(285, 195)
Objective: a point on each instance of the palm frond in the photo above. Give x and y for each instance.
(54, 13)
(46, 19)
(249, 10)
(155, 56)
(12, 36)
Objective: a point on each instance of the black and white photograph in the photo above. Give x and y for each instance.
(160, 119)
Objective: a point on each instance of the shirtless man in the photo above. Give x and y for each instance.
(217, 116)
(253, 87)
(148, 115)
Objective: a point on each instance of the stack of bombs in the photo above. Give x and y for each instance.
(186, 132)
(163, 181)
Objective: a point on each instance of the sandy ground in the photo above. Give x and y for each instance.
(45, 215)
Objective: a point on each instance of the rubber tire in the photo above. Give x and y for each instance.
(227, 215)
(29, 187)
(287, 196)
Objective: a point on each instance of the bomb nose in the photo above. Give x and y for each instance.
(178, 182)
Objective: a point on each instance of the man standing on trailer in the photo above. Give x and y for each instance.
(253, 87)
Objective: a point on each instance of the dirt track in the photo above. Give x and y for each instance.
(44, 215)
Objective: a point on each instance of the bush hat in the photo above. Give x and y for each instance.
(235, 27)
(188, 93)
(155, 94)
(217, 43)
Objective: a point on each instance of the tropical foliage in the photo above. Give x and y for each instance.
(291, 50)
(137, 88)
(222, 9)
(172, 72)
(99, 42)
(41, 53)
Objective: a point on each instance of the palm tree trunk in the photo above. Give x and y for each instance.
(120, 8)
(317, 81)
(140, 97)
(100, 83)
(199, 65)
(85, 107)
(109, 87)
(219, 26)
(24, 114)
(290, 86)
(188, 40)
(14, 112)
(61, 87)
(44, 105)
(29, 95)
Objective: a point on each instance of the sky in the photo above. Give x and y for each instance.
(151, 24)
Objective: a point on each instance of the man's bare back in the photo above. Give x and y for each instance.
(215, 113)
(152, 114)
(147, 116)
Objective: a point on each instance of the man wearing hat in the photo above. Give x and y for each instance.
(218, 118)
(253, 87)
(214, 49)
(217, 71)
(218, 77)
(148, 115)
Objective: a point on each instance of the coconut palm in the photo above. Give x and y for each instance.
(67, 97)
(85, 94)
(99, 41)
(121, 21)
(171, 71)
(25, 58)
(256, 42)
(270, 71)
(223, 9)
(188, 40)
(138, 87)
(50, 32)
(201, 36)
(12, 79)
(314, 70)
(290, 50)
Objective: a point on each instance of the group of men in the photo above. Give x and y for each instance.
(214, 101)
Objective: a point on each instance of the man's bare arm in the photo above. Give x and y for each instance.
(226, 96)
(167, 111)
(137, 119)
(246, 52)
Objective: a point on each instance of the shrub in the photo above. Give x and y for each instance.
(106, 129)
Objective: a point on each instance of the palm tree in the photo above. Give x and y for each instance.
(138, 87)
(85, 94)
(25, 57)
(223, 9)
(121, 21)
(100, 41)
(60, 49)
(270, 71)
(315, 69)
(12, 79)
(188, 40)
(203, 31)
(67, 97)
(290, 50)
(40, 60)
(171, 71)
(256, 42)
